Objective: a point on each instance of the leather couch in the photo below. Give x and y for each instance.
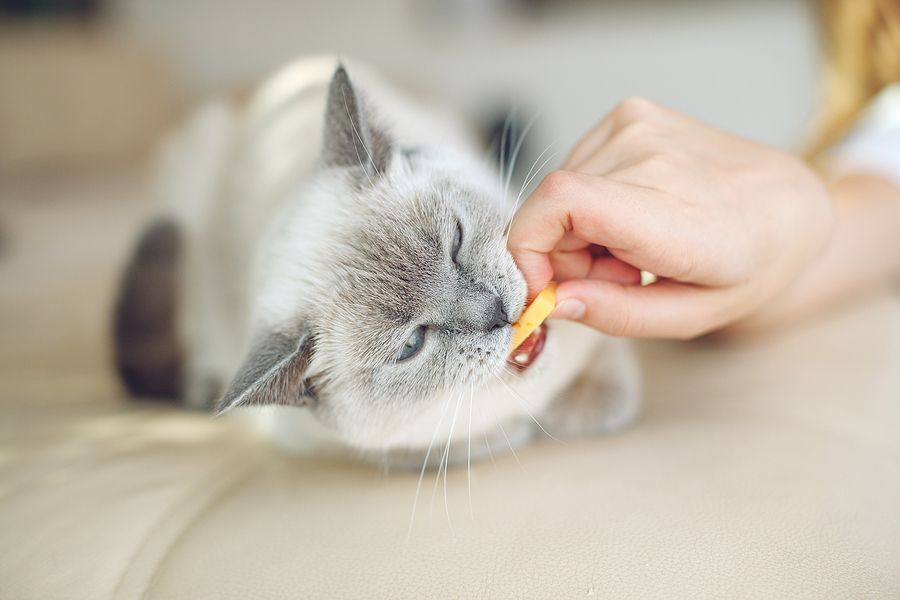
(764, 468)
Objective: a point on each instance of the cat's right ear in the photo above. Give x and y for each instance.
(274, 372)
(351, 139)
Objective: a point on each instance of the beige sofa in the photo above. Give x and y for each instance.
(765, 469)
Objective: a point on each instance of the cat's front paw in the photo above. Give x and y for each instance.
(587, 410)
(605, 399)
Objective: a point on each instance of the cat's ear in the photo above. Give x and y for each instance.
(351, 139)
(274, 372)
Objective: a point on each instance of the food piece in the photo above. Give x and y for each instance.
(535, 314)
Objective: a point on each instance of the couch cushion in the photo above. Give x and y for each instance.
(768, 468)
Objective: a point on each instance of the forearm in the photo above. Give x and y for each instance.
(863, 254)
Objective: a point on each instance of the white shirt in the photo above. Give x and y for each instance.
(873, 144)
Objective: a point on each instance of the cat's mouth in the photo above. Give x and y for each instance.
(528, 352)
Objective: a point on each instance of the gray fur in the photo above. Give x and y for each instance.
(274, 373)
(351, 139)
(341, 257)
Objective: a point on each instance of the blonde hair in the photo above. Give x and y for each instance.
(862, 56)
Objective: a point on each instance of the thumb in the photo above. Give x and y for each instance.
(665, 309)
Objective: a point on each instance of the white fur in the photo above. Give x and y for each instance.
(237, 178)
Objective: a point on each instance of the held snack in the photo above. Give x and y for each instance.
(535, 314)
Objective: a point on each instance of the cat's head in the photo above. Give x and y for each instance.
(389, 288)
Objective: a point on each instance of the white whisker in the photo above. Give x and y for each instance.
(515, 153)
(445, 449)
(469, 453)
(412, 515)
(525, 185)
(528, 178)
(487, 445)
(446, 459)
(522, 405)
(509, 443)
(506, 437)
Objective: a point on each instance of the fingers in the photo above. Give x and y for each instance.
(665, 309)
(583, 264)
(627, 112)
(593, 209)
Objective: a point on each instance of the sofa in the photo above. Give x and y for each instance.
(762, 467)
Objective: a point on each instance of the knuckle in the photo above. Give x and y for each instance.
(636, 130)
(686, 267)
(624, 323)
(557, 185)
(660, 165)
(636, 108)
(619, 326)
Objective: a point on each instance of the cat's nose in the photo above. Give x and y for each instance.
(498, 317)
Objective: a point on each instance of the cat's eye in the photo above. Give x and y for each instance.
(413, 343)
(457, 241)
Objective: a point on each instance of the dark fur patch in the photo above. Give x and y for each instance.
(351, 139)
(148, 354)
(273, 373)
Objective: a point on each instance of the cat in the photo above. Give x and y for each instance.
(341, 266)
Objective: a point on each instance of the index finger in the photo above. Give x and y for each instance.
(595, 209)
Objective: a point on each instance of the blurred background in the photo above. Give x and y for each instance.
(99, 78)
(89, 87)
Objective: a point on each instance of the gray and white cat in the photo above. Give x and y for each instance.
(342, 264)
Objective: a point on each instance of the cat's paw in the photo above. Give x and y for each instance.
(605, 399)
(587, 410)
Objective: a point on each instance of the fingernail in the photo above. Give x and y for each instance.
(569, 308)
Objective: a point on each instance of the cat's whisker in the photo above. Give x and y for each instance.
(484, 434)
(487, 445)
(412, 515)
(511, 448)
(525, 182)
(445, 448)
(515, 153)
(446, 460)
(522, 405)
(437, 477)
(528, 178)
(469, 453)
(525, 185)
(532, 173)
(506, 437)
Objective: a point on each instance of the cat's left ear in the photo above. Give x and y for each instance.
(351, 139)
(274, 372)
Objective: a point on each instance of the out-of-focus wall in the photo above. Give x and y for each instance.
(73, 96)
(750, 67)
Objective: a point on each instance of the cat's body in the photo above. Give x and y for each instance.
(360, 272)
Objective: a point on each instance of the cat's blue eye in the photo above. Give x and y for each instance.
(413, 343)
(457, 241)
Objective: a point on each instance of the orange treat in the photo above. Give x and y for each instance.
(535, 314)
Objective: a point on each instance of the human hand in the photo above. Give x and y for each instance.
(726, 224)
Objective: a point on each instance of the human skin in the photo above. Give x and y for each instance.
(863, 254)
(726, 224)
